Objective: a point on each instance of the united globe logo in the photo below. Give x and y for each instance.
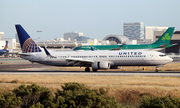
(30, 46)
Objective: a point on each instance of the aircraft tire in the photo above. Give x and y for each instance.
(87, 69)
(94, 70)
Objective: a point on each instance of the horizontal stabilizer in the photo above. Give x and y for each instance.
(163, 46)
(175, 44)
(24, 54)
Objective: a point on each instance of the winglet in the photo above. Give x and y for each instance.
(6, 46)
(91, 42)
(92, 49)
(47, 52)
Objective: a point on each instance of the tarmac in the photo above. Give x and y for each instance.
(20, 66)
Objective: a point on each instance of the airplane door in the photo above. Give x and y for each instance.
(68, 56)
(152, 57)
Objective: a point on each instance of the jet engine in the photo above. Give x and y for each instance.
(101, 65)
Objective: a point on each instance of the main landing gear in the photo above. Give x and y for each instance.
(94, 70)
(87, 69)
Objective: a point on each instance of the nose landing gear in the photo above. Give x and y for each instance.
(157, 67)
(156, 70)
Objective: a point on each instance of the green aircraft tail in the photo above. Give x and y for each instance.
(166, 37)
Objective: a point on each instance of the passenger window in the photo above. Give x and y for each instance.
(162, 55)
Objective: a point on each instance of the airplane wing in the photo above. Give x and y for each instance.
(163, 46)
(166, 45)
(78, 61)
(118, 48)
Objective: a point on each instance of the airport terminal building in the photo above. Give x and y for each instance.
(116, 39)
(134, 33)
(60, 44)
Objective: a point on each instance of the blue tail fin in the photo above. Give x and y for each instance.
(27, 43)
(6, 46)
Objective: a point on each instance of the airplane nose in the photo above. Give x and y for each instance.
(169, 59)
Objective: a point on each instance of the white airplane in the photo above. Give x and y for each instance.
(100, 59)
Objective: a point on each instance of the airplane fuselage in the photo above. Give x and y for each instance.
(99, 59)
(115, 58)
(3, 51)
(162, 42)
(110, 47)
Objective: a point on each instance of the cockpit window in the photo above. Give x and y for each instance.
(162, 55)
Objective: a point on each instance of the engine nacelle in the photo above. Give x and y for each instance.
(116, 67)
(101, 65)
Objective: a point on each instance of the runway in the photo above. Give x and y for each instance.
(18, 66)
(102, 73)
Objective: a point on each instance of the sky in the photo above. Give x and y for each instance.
(94, 18)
